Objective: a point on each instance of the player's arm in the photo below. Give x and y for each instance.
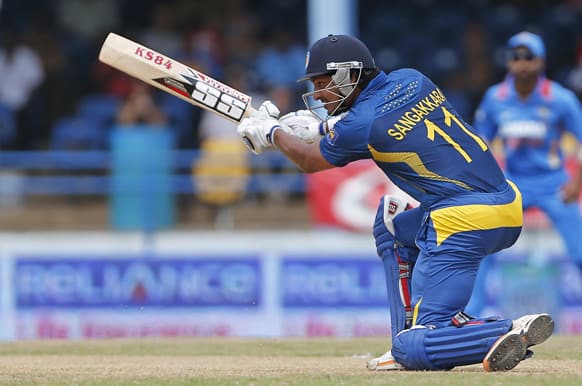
(296, 135)
(306, 156)
(572, 122)
(571, 190)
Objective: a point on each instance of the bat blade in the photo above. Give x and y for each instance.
(175, 78)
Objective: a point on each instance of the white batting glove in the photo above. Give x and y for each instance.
(257, 131)
(268, 109)
(307, 126)
(304, 124)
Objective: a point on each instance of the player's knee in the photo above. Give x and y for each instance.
(384, 230)
(386, 242)
(408, 349)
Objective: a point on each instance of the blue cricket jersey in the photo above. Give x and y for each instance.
(405, 123)
(531, 128)
(467, 210)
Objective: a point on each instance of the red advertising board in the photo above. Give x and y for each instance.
(347, 197)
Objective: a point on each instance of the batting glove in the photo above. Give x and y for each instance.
(257, 131)
(268, 109)
(304, 124)
(307, 126)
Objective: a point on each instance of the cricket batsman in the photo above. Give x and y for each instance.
(468, 209)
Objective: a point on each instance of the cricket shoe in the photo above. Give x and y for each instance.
(385, 362)
(512, 347)
(536, 328)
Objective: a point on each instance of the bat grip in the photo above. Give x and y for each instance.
(252, 112)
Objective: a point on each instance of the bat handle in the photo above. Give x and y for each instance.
(251, 112)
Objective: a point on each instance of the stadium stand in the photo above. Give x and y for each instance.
(461, 50)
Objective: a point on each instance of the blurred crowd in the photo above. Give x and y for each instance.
(55, 94)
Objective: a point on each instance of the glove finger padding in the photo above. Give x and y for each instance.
(301, 113)
(269, 110)
(250, 145)
(304, 125)
(245, 129)
(256, 133)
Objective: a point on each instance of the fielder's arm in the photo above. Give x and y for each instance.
(571, 190)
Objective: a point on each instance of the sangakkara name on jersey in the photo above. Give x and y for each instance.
(411, 117)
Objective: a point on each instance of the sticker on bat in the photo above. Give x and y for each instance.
(195, 76)
(154, 57)
(207, 95)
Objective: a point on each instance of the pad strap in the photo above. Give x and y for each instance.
(460, 319)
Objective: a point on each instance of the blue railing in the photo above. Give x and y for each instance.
(90, 173)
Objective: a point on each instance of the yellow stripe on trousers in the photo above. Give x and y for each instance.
(415, 312)
(465, 218)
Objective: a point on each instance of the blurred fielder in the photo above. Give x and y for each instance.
(530, 113)
(431, 253)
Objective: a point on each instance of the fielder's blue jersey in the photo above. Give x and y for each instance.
(405, 123)
(531, 128)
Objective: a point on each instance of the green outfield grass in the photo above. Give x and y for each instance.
(226, 361)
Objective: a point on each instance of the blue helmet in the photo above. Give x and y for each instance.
(335, 49)
(345, 59)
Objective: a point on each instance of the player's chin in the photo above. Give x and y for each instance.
(525, 74)
(331, 108)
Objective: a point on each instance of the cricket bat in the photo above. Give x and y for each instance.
(175, 78)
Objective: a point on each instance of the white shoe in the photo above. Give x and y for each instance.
(535, 328)
(385, 362)
(512, 347)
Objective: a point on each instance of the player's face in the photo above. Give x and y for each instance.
(524, 65)
(326, 92)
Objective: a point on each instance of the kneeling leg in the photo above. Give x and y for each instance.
(425, 348)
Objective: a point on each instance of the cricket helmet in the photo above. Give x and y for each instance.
(336, 49)
(339, 56)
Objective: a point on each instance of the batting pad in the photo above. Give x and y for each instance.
(422, 348)
(398, 262)
(397, 300)
(384, 239)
